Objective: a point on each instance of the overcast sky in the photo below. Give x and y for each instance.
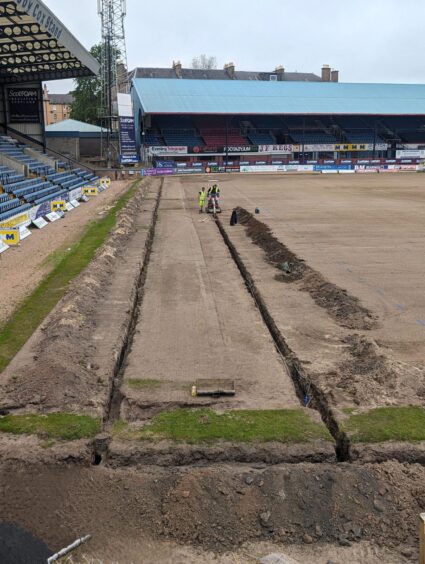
(366, 40)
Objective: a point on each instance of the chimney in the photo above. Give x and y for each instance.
(177, 68)
(280, 71)
(334, 76)
(326, 73)
(230, 70)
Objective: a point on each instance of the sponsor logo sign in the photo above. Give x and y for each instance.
(411, 153)
(105, 181)
(317, 148)
(240, 149)
(90, 190)
(360, 147)
(176, 150)
(23, 104)
(281, 149)
(53, 216)
(10, 236)
(128, 151)
(157, 171)
(57, 205)
(15, 221)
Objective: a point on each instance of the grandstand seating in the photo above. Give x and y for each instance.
(14, 211)
(153, 139)
(36, 195)
(19, 193)
(362, 136)
(11, 187)
(259, 138)
(218, 137)
(267, 122)
(9, 205)
(52, 196)
(184, 137)
(15, 150)
(310, 138)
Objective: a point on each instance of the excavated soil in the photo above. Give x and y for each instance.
(215, 509)
(341, 306)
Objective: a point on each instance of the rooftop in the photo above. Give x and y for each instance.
(61, 99)
(221, 74)
(73, 126)
(169, 96)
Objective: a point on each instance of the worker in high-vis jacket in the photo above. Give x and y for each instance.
(201, 200)
(214, 191)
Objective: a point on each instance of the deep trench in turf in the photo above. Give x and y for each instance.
(307, 393)
(113, 406)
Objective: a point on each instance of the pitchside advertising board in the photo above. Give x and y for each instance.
(10, 236)
(128, 150)
(23, 104)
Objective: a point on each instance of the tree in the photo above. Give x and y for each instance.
(204, 62)
(88, 94)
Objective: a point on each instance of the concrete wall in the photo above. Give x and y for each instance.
(67, 146)
(90, 146)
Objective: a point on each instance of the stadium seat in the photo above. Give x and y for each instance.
(15, 211)
(10, 204)
(52, 196)
(41, 193)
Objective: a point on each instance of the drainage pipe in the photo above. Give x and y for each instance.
(68, 549)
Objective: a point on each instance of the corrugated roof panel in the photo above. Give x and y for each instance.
(244, 97)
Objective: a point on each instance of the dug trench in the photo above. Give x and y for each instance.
(146, 493)
(372, 404)
(306, 389)
(190, 268)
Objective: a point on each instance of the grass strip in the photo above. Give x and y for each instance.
(32, 311)
(386, 424)
(205, 425)
(63, 426)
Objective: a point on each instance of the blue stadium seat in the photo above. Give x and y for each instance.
(15, 211)
(9, 205)
(52, 196)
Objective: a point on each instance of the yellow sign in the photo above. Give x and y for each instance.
(90, 191)
(106, 181)
(351, 147)
(57, 205)
(10, 236)
(13, 221)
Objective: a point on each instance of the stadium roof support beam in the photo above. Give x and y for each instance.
(35, 45)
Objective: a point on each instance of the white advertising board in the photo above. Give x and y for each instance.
(40, 222)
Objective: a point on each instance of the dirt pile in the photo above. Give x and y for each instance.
(341, 306)
(219, 507)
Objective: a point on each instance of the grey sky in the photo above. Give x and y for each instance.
(366, 40)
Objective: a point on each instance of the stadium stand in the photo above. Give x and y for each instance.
(185, 137)
(261, 138)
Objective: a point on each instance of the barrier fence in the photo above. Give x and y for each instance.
(326, 167)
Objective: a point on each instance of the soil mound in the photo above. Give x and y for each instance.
(341, 306)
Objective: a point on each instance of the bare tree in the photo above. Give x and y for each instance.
(204, 62)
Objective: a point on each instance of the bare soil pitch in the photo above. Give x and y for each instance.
(196, 319)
